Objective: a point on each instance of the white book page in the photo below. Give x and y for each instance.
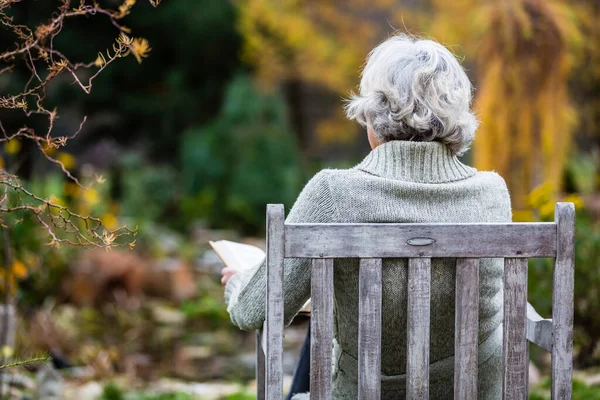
(240, 257)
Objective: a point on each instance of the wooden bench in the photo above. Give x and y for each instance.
(515, 242)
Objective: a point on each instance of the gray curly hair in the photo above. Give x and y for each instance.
(415, 89)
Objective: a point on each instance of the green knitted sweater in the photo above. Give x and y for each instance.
(399, 181)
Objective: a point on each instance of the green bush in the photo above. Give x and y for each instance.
(241, 396)
(146, 192)
(580, 391)
(165, 396)
(245, 159)
(112, 392)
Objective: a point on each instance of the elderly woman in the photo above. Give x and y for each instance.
(414, 103)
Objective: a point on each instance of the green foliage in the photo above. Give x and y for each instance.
(241, 396)
(243, 160)
(581, 391)
(147, 191)
(165, 396)
(112, 392)
(583, 173)
(195, 48)
(208, 306)
(587, 282)
(208, 311)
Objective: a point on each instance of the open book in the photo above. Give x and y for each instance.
(241, 257)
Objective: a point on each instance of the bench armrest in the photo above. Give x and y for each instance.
(539, 330)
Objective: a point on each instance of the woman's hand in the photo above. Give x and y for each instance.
(227, 273)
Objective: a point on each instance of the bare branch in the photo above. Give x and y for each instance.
(34, 47)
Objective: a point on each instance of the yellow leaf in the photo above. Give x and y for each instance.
(547, 210)
(13, 146)
(140, 48)
(66, 159)
(575, 199)
(522, 216)
(109, 220)
(91, 197)
(100, 60)
(19, 270)
(7, 351)
(540, 195)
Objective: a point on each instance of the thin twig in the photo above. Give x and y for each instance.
(35, 48)
(20, 363)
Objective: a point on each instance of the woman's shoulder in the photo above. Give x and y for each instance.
(492, 178)
(327, 175)
(330, 174)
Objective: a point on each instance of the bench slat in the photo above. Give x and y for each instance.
(515, 345)
(467, 329)
(321, 329)
(260, 368)
(562, 302)
(274, 306)
(394, 240)
(369, 330)
(417, 368)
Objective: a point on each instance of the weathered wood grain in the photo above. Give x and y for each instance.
(420, 242)
(274, 306)
(539, 330)
(418, 320)
(321, 329)
(459, 240)
(562, 302)
(467, 329)
(260, 368)
(369, 330)
(515, 346)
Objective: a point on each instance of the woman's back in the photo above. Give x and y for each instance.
(395, 183)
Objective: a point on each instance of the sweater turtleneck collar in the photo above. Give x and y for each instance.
(423, 162)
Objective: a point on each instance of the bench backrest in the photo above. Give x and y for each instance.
(515, 242)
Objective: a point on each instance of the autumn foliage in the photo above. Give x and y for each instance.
(525, 58)
(521, 55)
(34, 50)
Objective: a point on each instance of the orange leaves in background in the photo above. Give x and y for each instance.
(19, 270)
(542, 200)
(519, 53)
(320, 42)
(524, 60)
(9, 278)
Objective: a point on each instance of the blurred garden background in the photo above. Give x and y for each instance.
(149, 128)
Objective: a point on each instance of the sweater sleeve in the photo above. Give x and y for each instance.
(245, 293)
